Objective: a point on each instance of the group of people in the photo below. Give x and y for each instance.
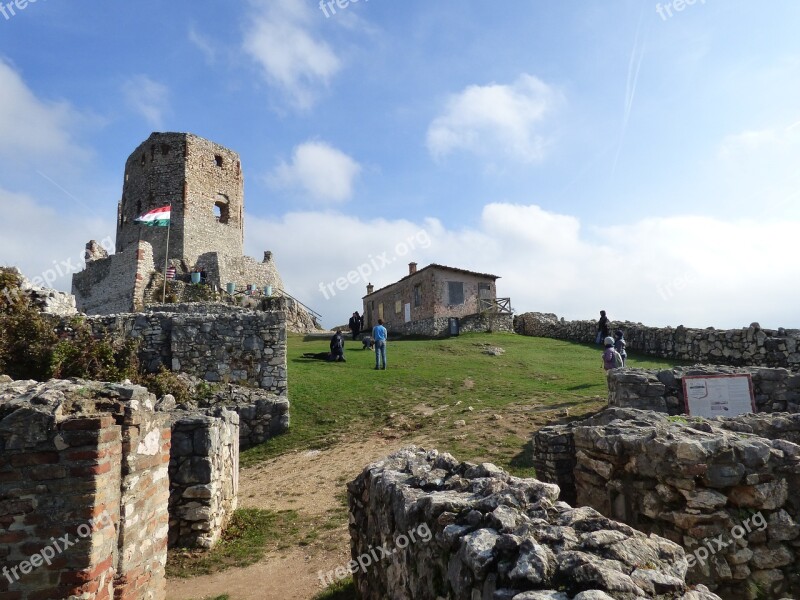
(614, 355)
(376, 341)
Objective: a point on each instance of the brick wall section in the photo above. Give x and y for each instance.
(204, 476)
(691, 481)
(115, 284)
(751, 346)
(87, 461)
(774, 390)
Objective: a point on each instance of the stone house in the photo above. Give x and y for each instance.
(438, 300)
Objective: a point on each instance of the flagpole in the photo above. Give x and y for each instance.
(166, 258)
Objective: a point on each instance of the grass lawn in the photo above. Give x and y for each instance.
(431, 384)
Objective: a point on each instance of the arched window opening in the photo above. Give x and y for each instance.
(218, 160)
(222, 211)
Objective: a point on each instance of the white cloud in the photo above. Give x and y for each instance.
(496, 120)
(32, 129)
(280, 40)
(148, 98)
(322, 172)
(204, 44)
(694, 271)
(44, 243)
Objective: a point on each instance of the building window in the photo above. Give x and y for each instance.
(455, 292)
(417, 295)
(222, 209)
(380, 311)
(484, 290)
(218, 160)
(398, 307)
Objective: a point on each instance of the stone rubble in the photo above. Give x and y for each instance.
(496, 537)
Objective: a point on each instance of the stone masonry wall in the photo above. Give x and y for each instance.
(203, 475)
(774, 390)
(83, 491)
(440, 326)
(114, 284)
(738, 347)
(713, 486)
(215, 342)
(424, 526)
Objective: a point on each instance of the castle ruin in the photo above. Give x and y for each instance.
(203, 183)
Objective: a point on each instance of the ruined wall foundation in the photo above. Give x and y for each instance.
(753, 345)
(721, 488)
(464, 531)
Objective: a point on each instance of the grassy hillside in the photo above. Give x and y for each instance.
(430, 385)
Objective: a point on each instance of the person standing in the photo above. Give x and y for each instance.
(619, 345)
(337, 346)
(379, 334)
(355, 324)
(608, 354)
(602, 327)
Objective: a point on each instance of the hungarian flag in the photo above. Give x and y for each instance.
(158, 217)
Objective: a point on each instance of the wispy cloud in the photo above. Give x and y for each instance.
(204, 44)
(321, 172)
(148, 98)
(496, 120)
(281, 41)
(31, 128)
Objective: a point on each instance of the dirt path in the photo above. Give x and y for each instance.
(312, 483)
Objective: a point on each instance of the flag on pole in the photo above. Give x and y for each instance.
(158, 217)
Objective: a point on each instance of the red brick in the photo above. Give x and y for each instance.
(82, 577)
(36, 458)
(90, 470)
(9, 476)
(85, 424)
(44, 472)
(12, 537)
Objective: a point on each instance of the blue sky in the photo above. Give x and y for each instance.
(635, 156)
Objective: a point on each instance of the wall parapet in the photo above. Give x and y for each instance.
(750, 346)
(464, 531)
(774, 390)
(692, 481)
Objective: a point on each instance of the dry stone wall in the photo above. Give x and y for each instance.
(752, 346)
(215, 342)
(203, 475)
(721, 488)
(83, 491)
(774, 390)
(464, 531)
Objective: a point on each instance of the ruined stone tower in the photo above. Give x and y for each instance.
(201, 181)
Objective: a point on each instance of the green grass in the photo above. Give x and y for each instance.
(245, 542)
(341, 590)
(333, 400)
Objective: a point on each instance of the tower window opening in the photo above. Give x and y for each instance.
(218, 160)
(164, 149)
(222, 211)
(144, 158)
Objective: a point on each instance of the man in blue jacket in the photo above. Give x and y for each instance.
(379, 335)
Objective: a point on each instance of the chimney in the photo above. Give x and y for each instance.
(412, 268)
(370, 288)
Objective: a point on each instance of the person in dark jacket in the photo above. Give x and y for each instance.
(355, 324)
(337, 346)
(602, 327)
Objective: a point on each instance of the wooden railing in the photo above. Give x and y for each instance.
(495, 305)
